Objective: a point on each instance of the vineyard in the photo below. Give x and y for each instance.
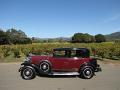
(107, 50)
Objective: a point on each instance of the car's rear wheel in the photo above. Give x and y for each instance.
(87, 72)
(45, 67)
(28, 73)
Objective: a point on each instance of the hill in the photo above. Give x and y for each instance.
(113, 36)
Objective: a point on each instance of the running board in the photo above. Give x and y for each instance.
(64, 73)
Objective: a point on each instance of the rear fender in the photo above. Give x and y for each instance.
(87, 65)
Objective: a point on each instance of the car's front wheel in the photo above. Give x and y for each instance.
(28, 73)
(87, 72)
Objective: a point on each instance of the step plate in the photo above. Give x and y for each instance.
(64, 73)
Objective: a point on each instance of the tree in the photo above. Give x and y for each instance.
(82, 38)
(88, 38)
(77, 37)
(100, 38)
(18, 36)
(4, 38)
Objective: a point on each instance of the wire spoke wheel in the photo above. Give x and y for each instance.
(45, 67)
(87, 72)
(28, 73)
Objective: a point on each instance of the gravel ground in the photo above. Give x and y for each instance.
(108, 79)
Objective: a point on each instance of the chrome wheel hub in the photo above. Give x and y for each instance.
(27, 73)
(87, 72)
(44, 66)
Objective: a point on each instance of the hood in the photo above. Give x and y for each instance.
(39, 57)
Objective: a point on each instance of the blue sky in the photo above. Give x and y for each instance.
(60, 18)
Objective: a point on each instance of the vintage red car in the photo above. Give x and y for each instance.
(64, 61)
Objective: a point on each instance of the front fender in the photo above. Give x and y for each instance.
(29, 64)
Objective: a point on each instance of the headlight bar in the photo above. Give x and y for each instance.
(28, 59)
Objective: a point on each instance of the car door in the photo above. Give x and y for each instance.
(60, 60)
(66, 63)
(73, 63)
(60, 63)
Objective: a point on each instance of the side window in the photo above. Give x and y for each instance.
(76, 53)
(79, 53)
(61, 53)
(73, 53)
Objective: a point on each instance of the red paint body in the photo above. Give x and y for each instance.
(61, 63)
(65, 61)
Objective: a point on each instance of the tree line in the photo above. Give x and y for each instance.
(13, 36)
(87, 38)
(76, 38)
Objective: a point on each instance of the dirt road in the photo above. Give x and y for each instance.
(108, 79)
